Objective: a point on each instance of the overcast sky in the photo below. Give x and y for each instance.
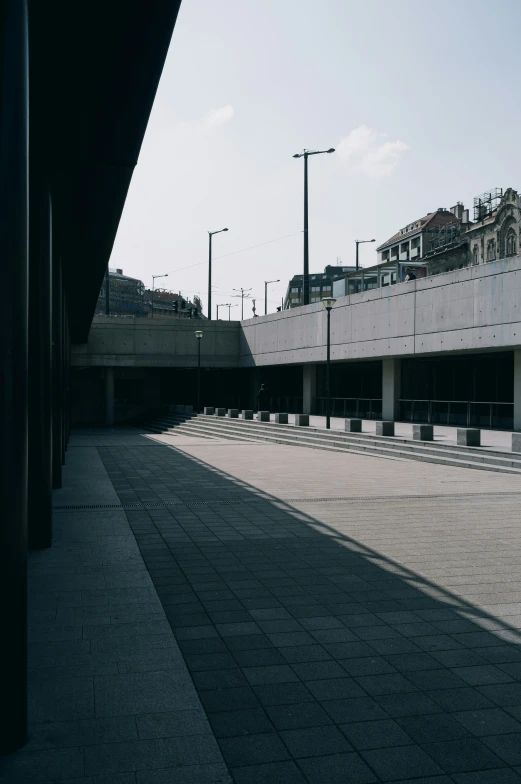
(420, 99)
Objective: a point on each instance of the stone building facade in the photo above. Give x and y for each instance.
(498, 233)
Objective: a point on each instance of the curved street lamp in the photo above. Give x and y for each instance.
(360, 242)
(305, 280)
(266, 293)
(210, 235)
(154, 286)
(328, 303)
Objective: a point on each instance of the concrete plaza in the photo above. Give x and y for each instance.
(218, 611)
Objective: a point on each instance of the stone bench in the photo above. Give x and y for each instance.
(353, 425)
(468, 436)
(302, 420)
(281, 419)
(247, 414)
(385, 428)
(209, 410)
(233, 413)
(263, 416)
(516, 442)
(423, 433)
(220, 412)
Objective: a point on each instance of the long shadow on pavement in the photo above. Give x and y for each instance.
(316, 658)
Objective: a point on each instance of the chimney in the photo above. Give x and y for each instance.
(465, 218)
(119, 272)
(458, 210)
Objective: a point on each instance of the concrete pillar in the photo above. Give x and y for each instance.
(109, 396)
(309, 390)
(391, 389)
(254, 386)
(517, 389)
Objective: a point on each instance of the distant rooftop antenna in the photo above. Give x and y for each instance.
(486, 203)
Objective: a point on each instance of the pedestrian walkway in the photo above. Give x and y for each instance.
(344, 619)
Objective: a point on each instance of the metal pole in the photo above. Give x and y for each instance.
(198, 375)
(242, 304)
(265, 298)
(229, 311)
(153, 286)
(107, 292)
(328, 398)
(356, 243)
(209, 275)
(305, 281)
(14, 227)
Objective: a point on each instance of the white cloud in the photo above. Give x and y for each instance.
(365, 152)
(219, 116)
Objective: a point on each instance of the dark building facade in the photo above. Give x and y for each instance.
(320, 286)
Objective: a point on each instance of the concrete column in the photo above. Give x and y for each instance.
(109, 396)
(517, 389)
(309, 387)
(391, 388)
(254, 386)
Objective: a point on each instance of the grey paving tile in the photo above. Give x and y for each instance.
(401, 762)
(297, 716)
(173, 724)
(61, 699)
(253, 749)
(460, 699)
(315, 741)
(501, 776)
(491, 721)
(55, 735)
(466, 754)
(219, 679)
(277, 673)
(215, 773)
(271, 773)
(229, 699)
(433, 727)
(375, 734)
(150, 754)
(389, 683)
(337, 769)
(503, 694)
(412, 704)
(149, 692)
(357, 709)
(240, 722)
(334, 688)
(282, 693)
(507, 747)
(483, 675)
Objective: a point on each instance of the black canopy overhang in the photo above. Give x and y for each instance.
(95, 68)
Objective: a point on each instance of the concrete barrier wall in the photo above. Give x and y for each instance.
(158, 342)
(473, 309)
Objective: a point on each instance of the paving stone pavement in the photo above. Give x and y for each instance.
(369, 636)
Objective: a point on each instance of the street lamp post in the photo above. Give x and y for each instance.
(305, 154)
(328, 303)
(266, 293)
(154, 287)
(198, 335)
(360, 242)
(244, 293)
(210, 235)
(229, 310)
(225, 305)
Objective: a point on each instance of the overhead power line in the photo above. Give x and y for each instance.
(234, 252)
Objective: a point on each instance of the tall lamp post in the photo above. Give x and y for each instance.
(328, 303)
(359, 242)
(198, 335)
(244, 293)
(154, 288)
(305, 154)
(210, 235)
(266, 293)
(225, 305)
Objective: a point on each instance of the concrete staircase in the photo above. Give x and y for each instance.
(394, 448)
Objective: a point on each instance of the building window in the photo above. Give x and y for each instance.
(315, 288)
(511, 243)
(294, 290)
(315, 299)
(491, 250)
(475, 255)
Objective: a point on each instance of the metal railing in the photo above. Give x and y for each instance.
(360, 407)
(465, 413)
(286, 403)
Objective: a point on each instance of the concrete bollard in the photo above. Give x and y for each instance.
(220, 412)
(281, 419)
(233, 413)
(301, 420)
(353, 425)
(423, 433)
(385, 428)
(263, 416)
(468, 436)
(247, 414)
(188, 409)
(516, 442)
(209, 410)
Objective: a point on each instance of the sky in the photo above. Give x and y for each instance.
(419, 98)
